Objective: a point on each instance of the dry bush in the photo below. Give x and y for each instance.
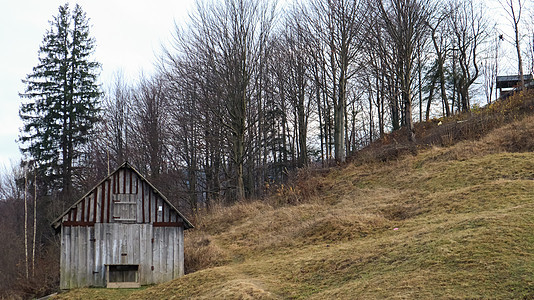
(44, 282)
(201, 252)
(303, 185)
(516, 137)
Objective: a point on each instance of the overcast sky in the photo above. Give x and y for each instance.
(129, 34)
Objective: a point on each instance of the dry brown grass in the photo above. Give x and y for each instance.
(201, 252)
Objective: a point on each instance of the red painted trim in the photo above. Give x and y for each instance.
(75, 223)
(168, 224)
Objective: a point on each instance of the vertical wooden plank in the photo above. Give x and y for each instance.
(89, 204)
(82, 206)
(63, 260)
(156, 209)
(163, 204)
(68, 254)
(119, 181)
(181, 250)
(96, 252)
(142, 201)
(131, 180)
(124, 181)
(114, 178)
(170, 253)
(108, 243)
(176, 252)
(82, 263)
(136, 245)
(103, 250)
(164, 262)
(163, 254)
(87, 217)
(131, 241)
(102, 205)
(142, 254)
(109, 200)
(90, 256)
(149, 206)
(74, 256)
(115, 250)
(150, 253)
(95, 205)
(71, 254)
(156, 254)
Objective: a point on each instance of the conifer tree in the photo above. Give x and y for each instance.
(62, 98)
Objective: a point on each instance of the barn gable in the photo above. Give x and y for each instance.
(125, 196)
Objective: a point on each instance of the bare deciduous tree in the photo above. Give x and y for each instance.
(514, 9)
(405, 23)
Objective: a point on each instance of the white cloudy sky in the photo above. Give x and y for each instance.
(129, 34)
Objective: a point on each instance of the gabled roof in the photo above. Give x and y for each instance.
(187, 225)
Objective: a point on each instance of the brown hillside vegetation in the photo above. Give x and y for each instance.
(454, 221)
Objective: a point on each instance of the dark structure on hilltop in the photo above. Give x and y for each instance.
(123, 233)
(510, 83)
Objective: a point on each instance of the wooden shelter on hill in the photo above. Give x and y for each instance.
(509, 83)
(122, 233)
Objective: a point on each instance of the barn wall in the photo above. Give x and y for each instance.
(76, 261)
(86, 250)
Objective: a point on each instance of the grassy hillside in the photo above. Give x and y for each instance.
(449, 223)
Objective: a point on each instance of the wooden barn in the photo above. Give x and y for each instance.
(122, 233)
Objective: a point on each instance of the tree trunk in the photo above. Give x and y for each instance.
(34, 220)
(26, 222)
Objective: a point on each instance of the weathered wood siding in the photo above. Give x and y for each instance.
(122, 221)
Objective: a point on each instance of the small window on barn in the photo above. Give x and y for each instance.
(122, 276)
(124, 208)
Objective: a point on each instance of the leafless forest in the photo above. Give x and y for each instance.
(246, 92)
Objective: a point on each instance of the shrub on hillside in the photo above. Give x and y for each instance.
(201, 252)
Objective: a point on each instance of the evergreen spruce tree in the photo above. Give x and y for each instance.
(62, 99)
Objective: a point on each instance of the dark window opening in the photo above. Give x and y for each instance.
(122, 276)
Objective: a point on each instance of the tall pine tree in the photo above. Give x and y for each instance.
(62, 100)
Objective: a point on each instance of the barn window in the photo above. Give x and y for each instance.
(122, 276)
(124, 208)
